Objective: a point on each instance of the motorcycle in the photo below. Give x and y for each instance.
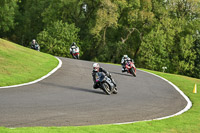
(75, 52)
(107, 84)
(130, 67)
(35, 47)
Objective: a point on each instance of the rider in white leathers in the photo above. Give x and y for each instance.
(124, 60)
(35, 45)
(73, 46)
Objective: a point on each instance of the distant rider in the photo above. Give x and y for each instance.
(96, 69)
(73, 46)
(124, 61)
(35, 45)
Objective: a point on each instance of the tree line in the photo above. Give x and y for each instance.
(155, 33)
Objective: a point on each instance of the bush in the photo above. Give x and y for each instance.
(57, 38)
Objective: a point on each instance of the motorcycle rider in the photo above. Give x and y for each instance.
(35, 45)
(124, 61)
(129, 59)
(73, 46)
(96, 69)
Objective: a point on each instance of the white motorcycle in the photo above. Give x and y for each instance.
(75, 52)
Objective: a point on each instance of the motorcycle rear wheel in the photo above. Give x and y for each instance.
(115, 91)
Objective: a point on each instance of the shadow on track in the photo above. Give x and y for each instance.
(97, 91)
(124, 74)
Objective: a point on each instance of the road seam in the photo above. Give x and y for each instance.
(37, 80)
(188, 106)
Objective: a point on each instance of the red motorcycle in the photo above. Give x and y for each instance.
(130, 66)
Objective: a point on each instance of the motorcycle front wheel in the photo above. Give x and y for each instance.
(133, 72)
(106, 88)
(77, 57)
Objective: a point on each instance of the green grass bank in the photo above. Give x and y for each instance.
(19, 64)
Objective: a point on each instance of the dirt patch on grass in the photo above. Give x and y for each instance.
(6, 45)
(1, 59)
(4, 71)
(191, 79)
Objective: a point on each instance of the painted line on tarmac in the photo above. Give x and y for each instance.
(187, 107)
(35, 81)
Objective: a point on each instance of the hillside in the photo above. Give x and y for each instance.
(20, 64)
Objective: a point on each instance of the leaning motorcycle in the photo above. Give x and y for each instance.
(36, 47)
(130, 66)
(75, 53)
(107, 84)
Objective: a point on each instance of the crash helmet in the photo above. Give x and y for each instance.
(125, 56)
(33, 40)
(73, 43)
(96, 67)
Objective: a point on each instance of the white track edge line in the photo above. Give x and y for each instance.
(35, 81)
(188, 106)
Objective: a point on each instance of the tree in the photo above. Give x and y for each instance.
(57, 38)
(7, 15)
(136, 20)
(106, 16)
(29, 21)
(188, 9)
(154, 54)
(197, 51)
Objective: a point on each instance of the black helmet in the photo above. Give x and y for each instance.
(73, 43)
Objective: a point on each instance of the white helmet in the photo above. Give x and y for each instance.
(125, 56)
(96, 67)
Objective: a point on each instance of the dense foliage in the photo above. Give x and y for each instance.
(57, 38)
(155, 33)
(7, 14)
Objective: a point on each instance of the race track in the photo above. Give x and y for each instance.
(67, 98)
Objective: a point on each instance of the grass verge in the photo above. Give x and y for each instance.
(188, 122)
(21, 65)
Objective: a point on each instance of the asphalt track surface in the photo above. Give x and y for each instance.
(67, 98)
